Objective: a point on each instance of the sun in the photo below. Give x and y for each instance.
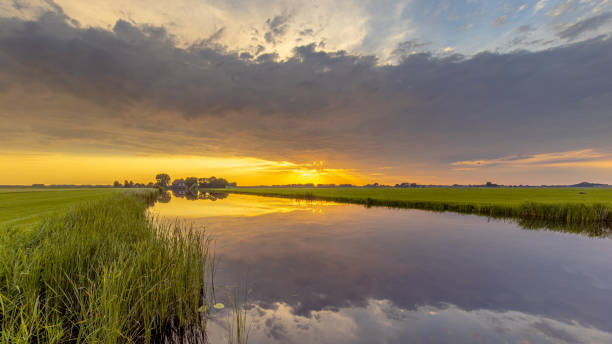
(308, 175)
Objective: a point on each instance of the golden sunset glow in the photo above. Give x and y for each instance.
(88, 169)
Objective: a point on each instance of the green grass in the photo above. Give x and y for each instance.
(576, 206)
(104, 272)
(28, 206)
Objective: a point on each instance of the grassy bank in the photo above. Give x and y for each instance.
(104, 272)
(26, 206)
(564, 205)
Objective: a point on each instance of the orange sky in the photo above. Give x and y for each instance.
(25, 169)
(69, 168)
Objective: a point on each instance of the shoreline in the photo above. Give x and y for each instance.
(587, 213)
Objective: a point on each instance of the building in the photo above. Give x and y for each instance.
(178, 184)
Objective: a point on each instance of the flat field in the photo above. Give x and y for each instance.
(26, 206)
(502, 196)
(569, 205)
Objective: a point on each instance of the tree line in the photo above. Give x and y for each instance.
(162, 180)
(131, 184)
(190, 183)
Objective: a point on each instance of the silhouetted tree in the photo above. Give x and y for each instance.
(213, 183)
(163, 179)
(116, 184)
(190, 182)
(191, 196)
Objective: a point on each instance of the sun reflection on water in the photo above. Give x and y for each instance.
(237, 205)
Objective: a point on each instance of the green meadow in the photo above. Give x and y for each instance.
(26, 206)
(559, 205)
(92, 266)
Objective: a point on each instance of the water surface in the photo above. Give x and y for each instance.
(324, 272)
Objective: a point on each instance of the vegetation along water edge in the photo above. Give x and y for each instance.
(571, 206)
(104, 272)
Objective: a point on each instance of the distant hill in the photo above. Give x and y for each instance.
(589, 185)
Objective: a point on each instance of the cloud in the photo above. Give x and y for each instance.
(593, 23)
(380, 321)
(406, 48)
(539, 5)
(587, 156)
(428, 109)
(277, 27)
(499, 21)
(524, 29)
(562, 8)
(466, 27)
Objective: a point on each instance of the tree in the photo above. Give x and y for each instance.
(212, 183)
(163, 179)
(116, 184)
(190, 182)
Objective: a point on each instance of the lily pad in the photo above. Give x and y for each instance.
(219, 306)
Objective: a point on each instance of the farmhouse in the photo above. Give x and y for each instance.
(178, 184)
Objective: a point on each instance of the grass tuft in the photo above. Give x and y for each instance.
(105, 272)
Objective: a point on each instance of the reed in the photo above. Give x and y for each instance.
(105, 272)
(238, 327)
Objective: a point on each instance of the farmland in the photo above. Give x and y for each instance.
(563, 205)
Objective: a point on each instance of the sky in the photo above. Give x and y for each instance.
(278, 92)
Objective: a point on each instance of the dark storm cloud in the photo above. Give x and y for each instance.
(277, 27)
(590, 24)
(131, 64)
(404, 49)
(451, 108)
(216, 36)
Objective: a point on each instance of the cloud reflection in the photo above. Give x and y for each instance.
(380, 321)
(345, 255)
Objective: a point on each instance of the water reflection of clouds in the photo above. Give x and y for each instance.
(380, 321)
(315, 265)
(416, 258)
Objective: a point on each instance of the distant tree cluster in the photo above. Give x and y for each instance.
(163, 180)
(376, 185)
(307, 185)
(406, 185)
(190, 187)
(193, 184)
(131, 184)
(213, 183)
